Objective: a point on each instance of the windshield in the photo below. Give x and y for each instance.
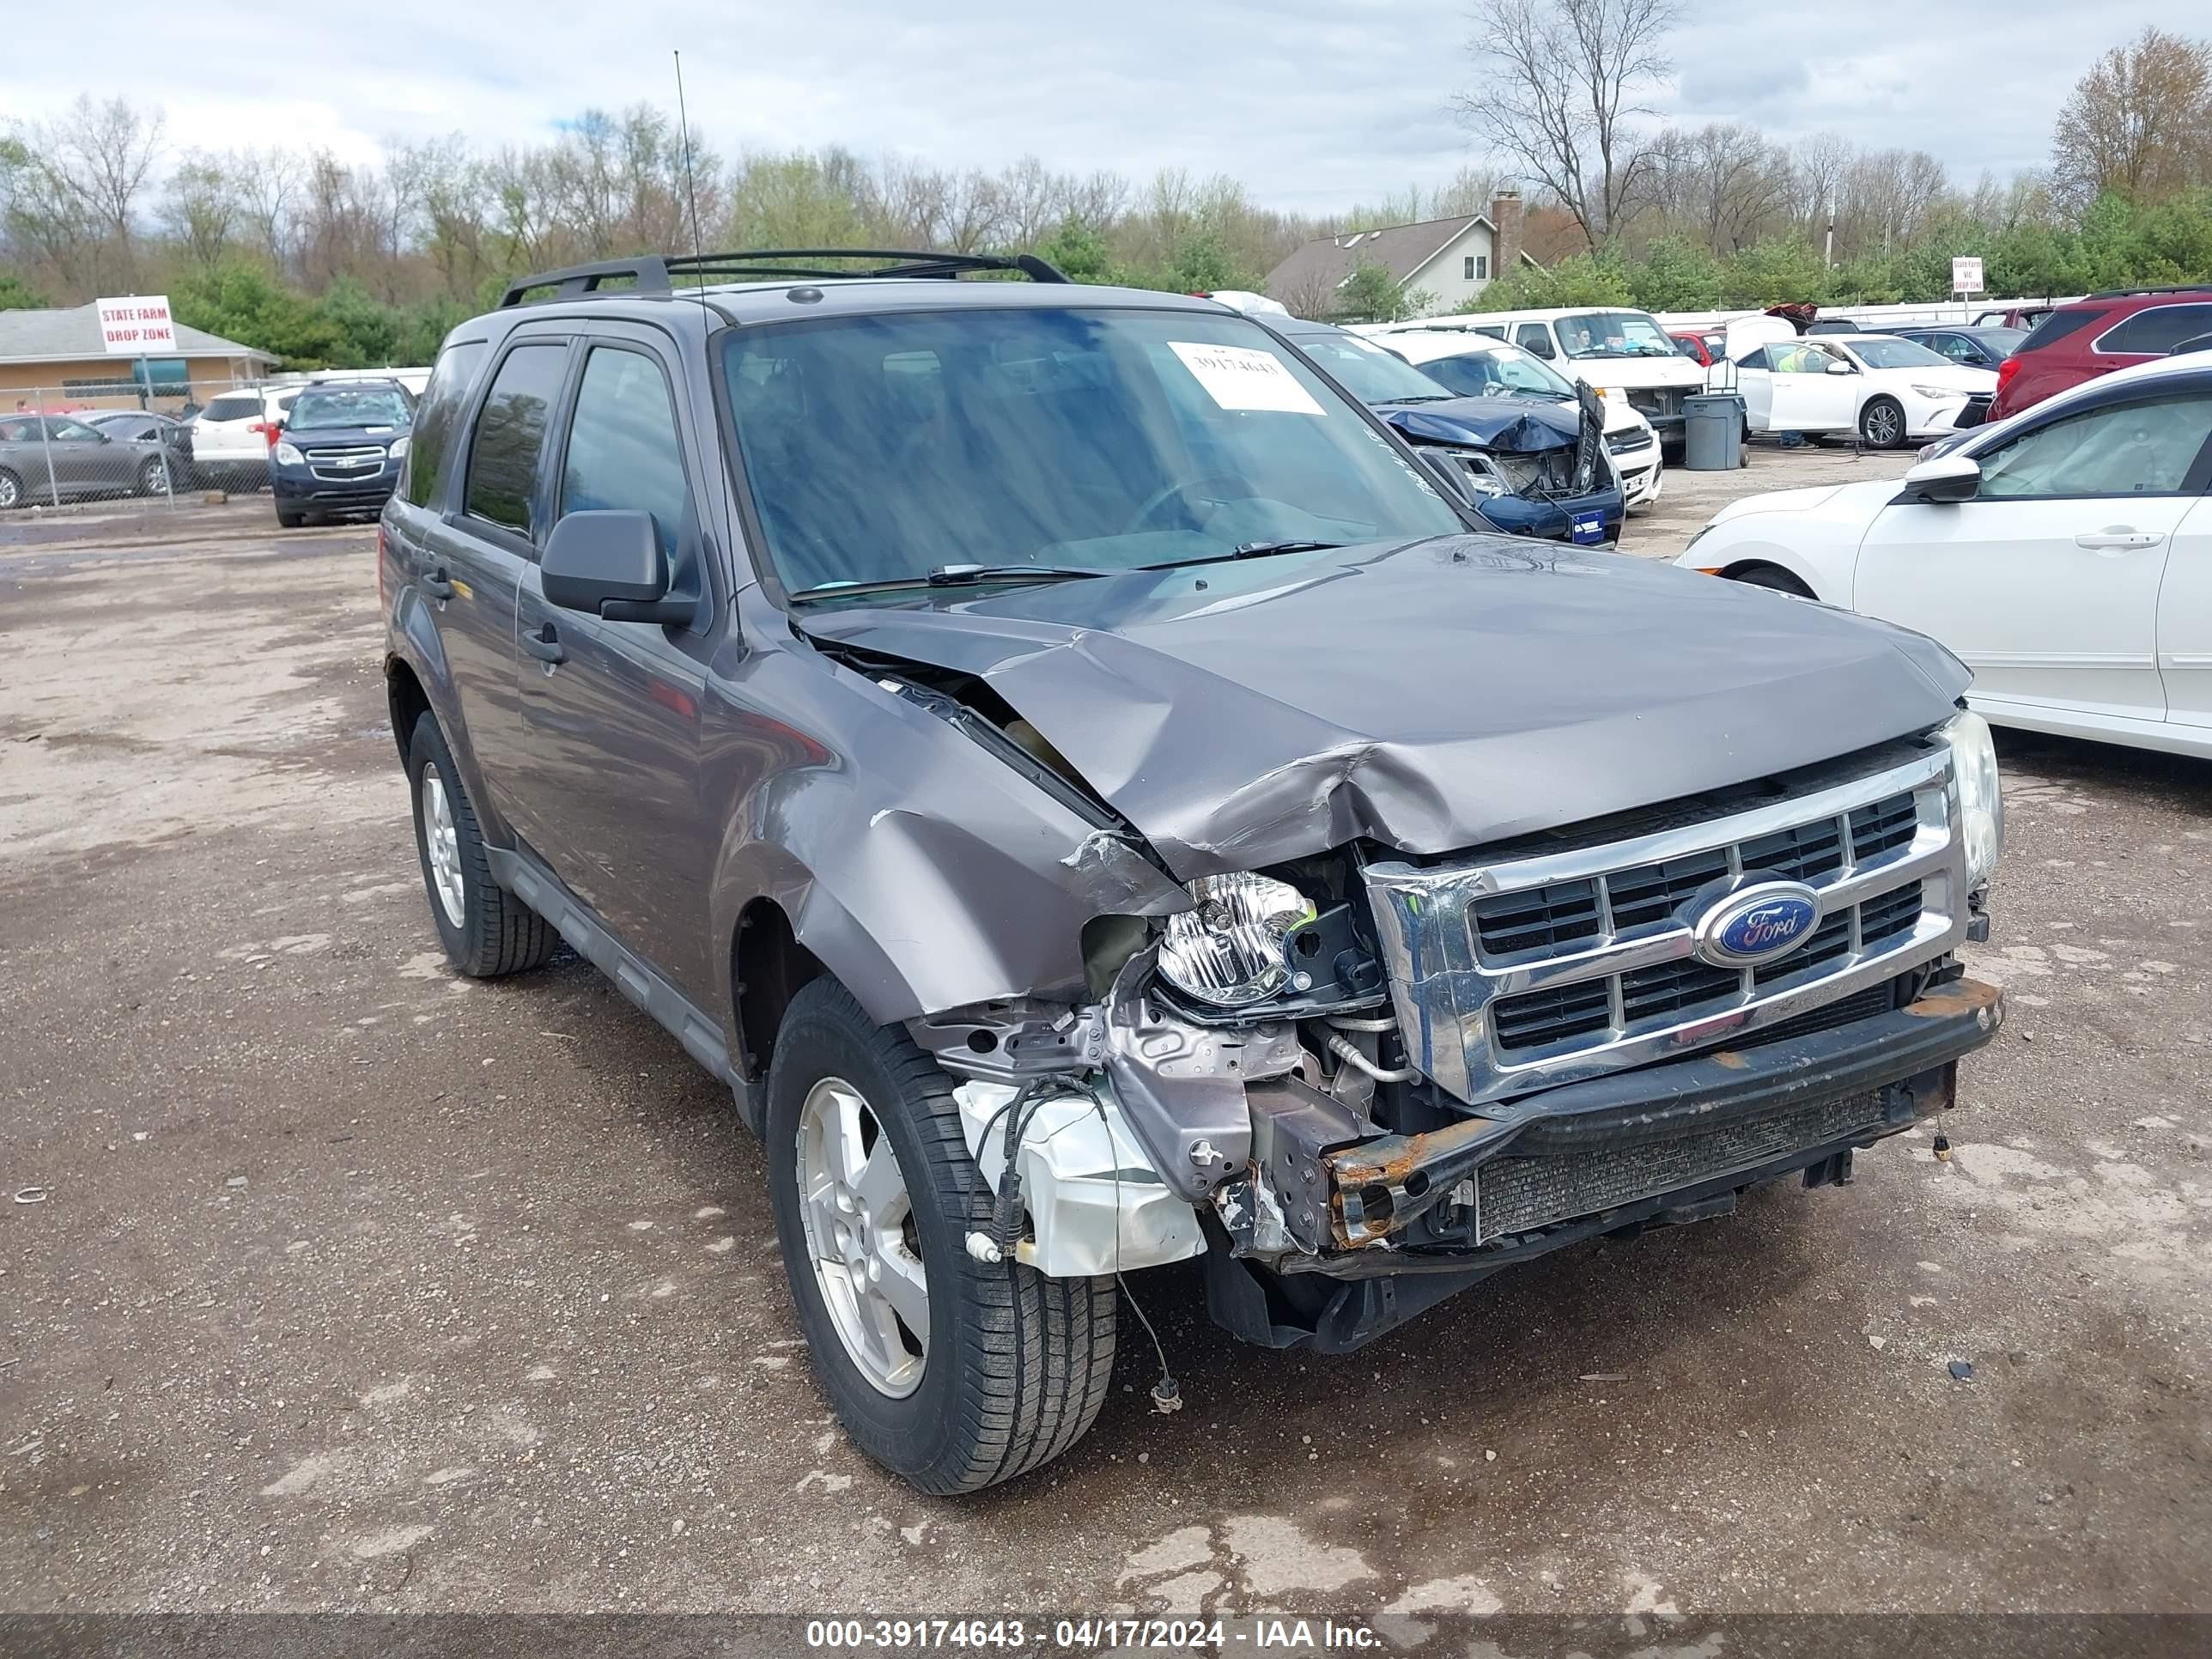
(1498, 371)
(1613, 334)
(1368, 371)
(333, 406)
(1895, 354)
(879, 448)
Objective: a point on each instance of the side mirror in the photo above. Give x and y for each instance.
(1841, 368)
(1947, 479)
(609, 564)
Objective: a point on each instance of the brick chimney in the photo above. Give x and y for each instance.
(1505, 246)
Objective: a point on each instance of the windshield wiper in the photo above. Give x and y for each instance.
(952, 575)
(1245, 550)
(1422, 398)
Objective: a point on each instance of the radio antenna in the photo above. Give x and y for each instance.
(690, 184)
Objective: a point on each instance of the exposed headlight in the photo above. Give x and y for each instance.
(1229, 949)
(1981, 799)
(399, 448)
(1938, 392)
(287, 454)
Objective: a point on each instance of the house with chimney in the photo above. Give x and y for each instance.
(1450, 261)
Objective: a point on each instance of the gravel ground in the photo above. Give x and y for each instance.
(334, 1281)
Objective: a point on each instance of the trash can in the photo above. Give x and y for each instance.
(1712, 431)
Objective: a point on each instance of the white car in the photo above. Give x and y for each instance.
(1622, 354)
(1889, 391)
(1477, 365)
(2065, 555)
(232, 434)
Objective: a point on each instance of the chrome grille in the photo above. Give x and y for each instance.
(1634, 437)
(1536, 968)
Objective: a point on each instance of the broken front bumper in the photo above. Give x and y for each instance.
(1664, 1143)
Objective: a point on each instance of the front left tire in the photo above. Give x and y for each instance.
(952, 1372)
(1881, 423)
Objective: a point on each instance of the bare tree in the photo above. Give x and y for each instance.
(1819, 166)
(76, 194)
(1558, 96)
(268, 183)
(201, 210)
(2140, 122)
(1724, 179)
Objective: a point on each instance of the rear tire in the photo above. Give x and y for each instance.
(1881, 423)
(153, 479)
(1014, 1366)
(487, 933)
(1774, 579)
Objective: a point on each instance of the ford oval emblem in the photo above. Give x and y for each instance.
(1757, 924)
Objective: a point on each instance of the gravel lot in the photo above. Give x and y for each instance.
(349, 1284)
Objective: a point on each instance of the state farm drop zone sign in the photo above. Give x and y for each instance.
(136, 326)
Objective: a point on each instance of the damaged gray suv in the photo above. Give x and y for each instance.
(1100, 800)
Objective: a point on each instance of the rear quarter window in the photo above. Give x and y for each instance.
(2058, 325)
(434, 417)
(246, 407)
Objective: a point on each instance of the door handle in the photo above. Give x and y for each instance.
(2101, 540)
(436, 583)
(544, 645)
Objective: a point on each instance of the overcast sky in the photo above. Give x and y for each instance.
(1314, 103)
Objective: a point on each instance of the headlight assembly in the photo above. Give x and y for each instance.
(1228, 950)
(399, 448)
(287, 453)
(1981, 799)
(1938, 392)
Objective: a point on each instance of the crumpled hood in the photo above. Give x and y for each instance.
(1429, 696)
(1506, 426)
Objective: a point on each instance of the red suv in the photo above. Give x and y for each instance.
(2095, 334)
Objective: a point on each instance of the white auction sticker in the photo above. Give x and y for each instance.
(1245, 377)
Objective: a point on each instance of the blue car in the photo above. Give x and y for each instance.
(1532, 467)
(341, 450)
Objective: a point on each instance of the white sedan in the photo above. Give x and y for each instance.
(1475, 365)
(2065, 555)
(1889, 390)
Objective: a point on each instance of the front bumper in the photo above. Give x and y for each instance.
(365, 493)
(1553, 521)
(1405, 1220)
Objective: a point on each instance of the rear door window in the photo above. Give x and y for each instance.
(245, 406)
(624, 452)
(2157, 329)
(510, 436)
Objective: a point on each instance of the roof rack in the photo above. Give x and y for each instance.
(652, 273)
(2141, 292)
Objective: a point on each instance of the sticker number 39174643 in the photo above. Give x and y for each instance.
(1245, 377)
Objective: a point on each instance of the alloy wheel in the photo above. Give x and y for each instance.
(861, 1236)
(442, 843)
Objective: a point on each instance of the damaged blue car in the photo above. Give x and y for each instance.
(1531, 467)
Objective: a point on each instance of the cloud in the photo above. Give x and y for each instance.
(1311, 103)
